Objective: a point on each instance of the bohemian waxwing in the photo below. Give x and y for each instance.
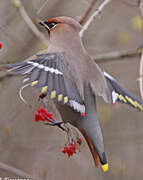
(66, 73)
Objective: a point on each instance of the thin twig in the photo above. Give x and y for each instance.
(83, 18)
(141, 73)
(17, 172)
(98, 11)
(140, 4)
(29, 22)
(116, 55)
(43, 6)
(141, 61)
(130, 3)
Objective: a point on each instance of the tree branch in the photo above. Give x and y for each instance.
(29, 22)
(43, 6)
(141, 75)
(17, 172)
(98, 11)
(116, 55)
(130, 3)
(82, 20)
(140, 4)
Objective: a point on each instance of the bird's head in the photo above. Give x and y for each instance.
(61, 26)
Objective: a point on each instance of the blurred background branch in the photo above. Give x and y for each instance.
(17, 172)
(141, 75)
(29, 22)
(43, 6)
(117, 55)
(91, 18)
(140, 4)
(87, 12)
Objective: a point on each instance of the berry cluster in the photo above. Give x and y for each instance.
(71, 148)
(43, 114)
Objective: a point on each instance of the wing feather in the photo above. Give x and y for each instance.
(52, 74)
(121, 95)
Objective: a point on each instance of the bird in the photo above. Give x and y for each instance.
(65, 73)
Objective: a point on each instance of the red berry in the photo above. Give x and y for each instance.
(83, 114)
(79, 141)
(43, 114)
(0, 45)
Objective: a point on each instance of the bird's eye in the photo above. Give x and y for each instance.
(52, 24)
(48, 25)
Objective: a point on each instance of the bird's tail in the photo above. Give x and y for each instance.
(90, 128)
(120, 94)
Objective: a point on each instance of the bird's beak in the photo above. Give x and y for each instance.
(45, 24)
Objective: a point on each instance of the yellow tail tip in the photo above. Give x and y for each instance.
(105, 167)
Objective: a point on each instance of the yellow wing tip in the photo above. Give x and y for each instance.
(105, 167)
(44, 89)
(60, 97)
(34, 83)
(66, 99)
(53, 94)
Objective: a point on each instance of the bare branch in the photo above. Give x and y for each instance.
(43, 6)
(131, 3)
(98, 11)
(17, 172)
(141, 7)
(116, 55)
(82, 20)
(29, 22)
(141, 76)
(140, 4)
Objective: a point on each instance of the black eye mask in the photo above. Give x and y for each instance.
(50, 25)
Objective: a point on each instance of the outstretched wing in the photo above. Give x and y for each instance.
(122, 95)
(52, 74)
